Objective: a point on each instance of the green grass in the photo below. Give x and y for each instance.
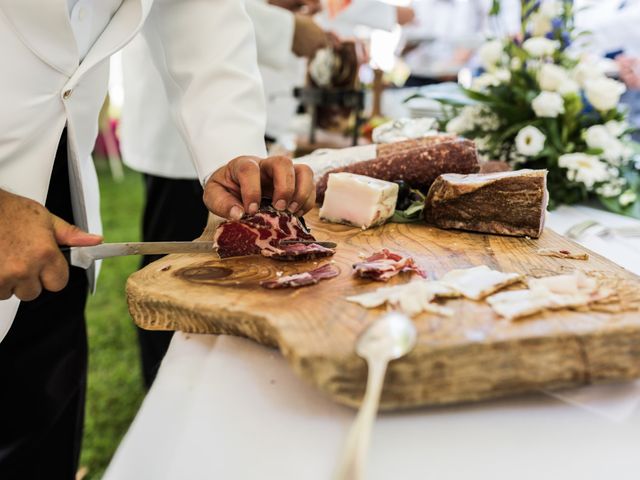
(115, 386)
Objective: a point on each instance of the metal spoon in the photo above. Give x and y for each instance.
(580, 230)
(388, 338)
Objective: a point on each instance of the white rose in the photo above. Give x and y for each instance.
(503, 75)
(627, 198)
(530, 141)
(587, 169)
(490, 54)
(568, 86)
(598, 136)
(604, 93)
(515, 63)
(540, 46)
(586, 70)
(548, 104)
(551, 77)
(616, 128)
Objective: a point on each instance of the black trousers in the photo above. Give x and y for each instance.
(173, 211)
(43, 369)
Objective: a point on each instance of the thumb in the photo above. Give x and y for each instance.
(70, 235)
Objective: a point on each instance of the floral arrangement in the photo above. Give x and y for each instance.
(540, 103)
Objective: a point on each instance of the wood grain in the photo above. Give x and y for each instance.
(472, 356)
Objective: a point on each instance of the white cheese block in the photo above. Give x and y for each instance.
(358, 200)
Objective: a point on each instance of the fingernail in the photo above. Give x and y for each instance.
(253, 208)
(293, 207)
(280, 205)
(236, 213)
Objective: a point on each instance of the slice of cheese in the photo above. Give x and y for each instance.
(358, 200)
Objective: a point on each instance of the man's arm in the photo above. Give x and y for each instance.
(30, 259)
(205, 51)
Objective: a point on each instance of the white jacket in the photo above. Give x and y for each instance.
(205, 52)
(149, 139)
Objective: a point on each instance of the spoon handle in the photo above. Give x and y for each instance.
(351, 466)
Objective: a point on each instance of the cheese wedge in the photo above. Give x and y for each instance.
(358, 200)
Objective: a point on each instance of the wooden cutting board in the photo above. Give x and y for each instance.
(472, 356)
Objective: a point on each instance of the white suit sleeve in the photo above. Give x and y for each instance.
(205, 52)
(370, 13)
(274, 27)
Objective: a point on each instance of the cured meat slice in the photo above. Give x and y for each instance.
(262, 234)
(298, 251)
(303, 279)
(412, 298)
(505, 203)
(383, 265)
(478, 282)
(549, 252)
(418, 166)
(549, 293)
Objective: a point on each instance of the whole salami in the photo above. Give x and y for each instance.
(418, 164)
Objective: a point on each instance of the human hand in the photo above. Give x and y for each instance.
(629, 71)
(30, 258)
(308, 37)
(405, 15)
(238, 187)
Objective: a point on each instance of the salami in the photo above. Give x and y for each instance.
(383, 265)
(303, 279)
(417, 164)
(262, 234)
(504, 203)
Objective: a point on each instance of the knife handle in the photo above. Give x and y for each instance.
(66, 253)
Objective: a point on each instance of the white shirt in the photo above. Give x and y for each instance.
(613, 25)
(88, 20)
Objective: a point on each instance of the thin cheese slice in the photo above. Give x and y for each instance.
(478, 282)
(412, 298)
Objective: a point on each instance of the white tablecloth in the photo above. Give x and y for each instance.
(226, 408)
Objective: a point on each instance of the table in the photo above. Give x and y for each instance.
(226, 408)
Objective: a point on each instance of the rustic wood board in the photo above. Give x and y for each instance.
(474, 355)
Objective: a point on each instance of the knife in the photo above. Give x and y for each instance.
(84, 257)
(309, 242)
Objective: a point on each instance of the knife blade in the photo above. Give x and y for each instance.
(84, 257)
(310, 242)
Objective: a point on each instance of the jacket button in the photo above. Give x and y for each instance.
(67, 94)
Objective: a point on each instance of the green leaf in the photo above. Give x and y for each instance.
(495, 8)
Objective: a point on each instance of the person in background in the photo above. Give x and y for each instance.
(54, 81)
(612, 31)
(151, 143)
(446, 34)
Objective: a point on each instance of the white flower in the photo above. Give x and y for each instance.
(458, 125)
(627, 198)
(530, 141)
(484, 81)
(599, 136)
(551, 9)
(551, 76)
(587, 169)
(491, 54)
(616, 128)
(540, 46)
(548, 104)
(586, 70)
(503, 75)
(568, 86)
(604, 93)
